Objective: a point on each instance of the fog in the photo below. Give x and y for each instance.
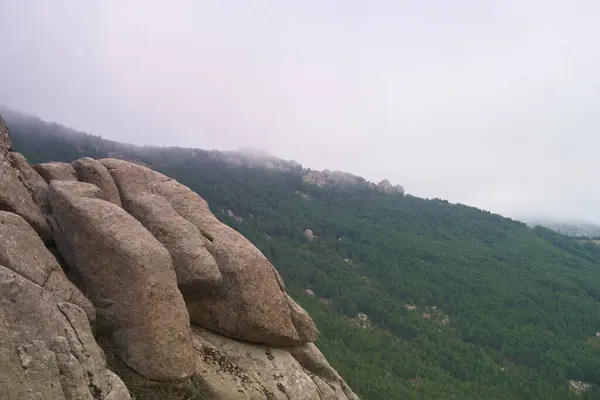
(489, 103)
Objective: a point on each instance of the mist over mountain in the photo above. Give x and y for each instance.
(413, 297)
(566, 227)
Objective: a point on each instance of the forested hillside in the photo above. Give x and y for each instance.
(414, 298)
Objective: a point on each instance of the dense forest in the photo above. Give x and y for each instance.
(415, 298)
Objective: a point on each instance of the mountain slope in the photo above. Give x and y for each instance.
(414, 298)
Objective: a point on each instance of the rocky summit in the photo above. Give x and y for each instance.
(117, 282)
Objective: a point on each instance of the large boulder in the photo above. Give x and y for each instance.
(47, 349)
(196, 269)
(128, 275)
(56, 171)
(230, 369)
(36, 185)
(22, 251)
(252, 304)
(92, 171)
(16, 198)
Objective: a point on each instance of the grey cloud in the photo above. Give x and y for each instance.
(487, 103)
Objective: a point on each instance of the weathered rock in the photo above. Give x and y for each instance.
(218, 377)
(130, 279)
(56, 171)
(15, 198)
(35, 184)
(91, 171)
(229, 369)
(47, 349)
(252, 305)
(22, 251)
(196, 269)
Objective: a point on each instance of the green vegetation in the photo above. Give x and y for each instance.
(501, 310)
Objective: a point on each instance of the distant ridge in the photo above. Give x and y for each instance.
(569, 228)
(248, 157)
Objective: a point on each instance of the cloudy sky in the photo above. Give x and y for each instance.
(489, 103)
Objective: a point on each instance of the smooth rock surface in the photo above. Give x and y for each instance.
(252, 305)
(196, 269)
(129, 277)
(91, 171)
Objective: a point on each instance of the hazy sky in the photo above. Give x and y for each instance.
(490, 103)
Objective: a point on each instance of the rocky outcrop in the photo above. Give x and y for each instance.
(91, 171)
(327, 177)
(5, 143)
(47, 349)
(129, 277)
(251, 304)
(56, 171)
(183, 305)
(309, 234)
(22, 251)
(386, 187)
(197, 271)
(33, 182)
(16, 198)
(330, 178)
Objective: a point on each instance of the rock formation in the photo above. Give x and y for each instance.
(47, 349)
(5, 143)
(196, 269)
(15, 196)
(181, 303)
(91, 171)
(22, 251)
(251, 304)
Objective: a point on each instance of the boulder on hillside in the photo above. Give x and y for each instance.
(91, 171)
(303, 323)
(47, 349)
(15, 198)
(252, 305)
(56, 171)
(129, 277)
(35, 184)
(22, 251)
(230, 369)
(197, 271)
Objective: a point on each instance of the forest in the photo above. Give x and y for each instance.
(414, 298)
